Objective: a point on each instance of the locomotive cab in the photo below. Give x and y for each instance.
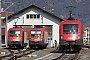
(71, 33)
(37, 37)
(15, 37)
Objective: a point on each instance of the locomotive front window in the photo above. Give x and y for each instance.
(14, 33)
(36, 33)
(70, 28)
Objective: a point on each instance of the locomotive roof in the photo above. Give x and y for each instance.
(15, 28)
(71, 22)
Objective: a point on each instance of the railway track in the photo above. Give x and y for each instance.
(13, 55)
(65, 56)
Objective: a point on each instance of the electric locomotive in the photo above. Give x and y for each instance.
(38, 38)
(71, 34)
(15, 37)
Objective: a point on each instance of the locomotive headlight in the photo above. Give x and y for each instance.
(79, 37)
(61, 37)
(41, 39)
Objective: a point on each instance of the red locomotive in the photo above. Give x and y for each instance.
(38, 37)
(15, 37)
(71, 34)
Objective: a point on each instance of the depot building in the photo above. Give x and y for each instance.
(34, 16)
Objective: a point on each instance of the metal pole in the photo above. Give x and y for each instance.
(0, 26)
(6, 30)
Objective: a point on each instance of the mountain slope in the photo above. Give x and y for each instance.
(81, 11)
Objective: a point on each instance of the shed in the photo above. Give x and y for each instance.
(34, 16)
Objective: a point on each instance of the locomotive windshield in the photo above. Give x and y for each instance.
(70, 28)
(36, 33)
(14, 33)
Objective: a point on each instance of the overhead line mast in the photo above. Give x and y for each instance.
(50, 5)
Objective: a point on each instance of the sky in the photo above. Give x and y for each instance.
(80, 12)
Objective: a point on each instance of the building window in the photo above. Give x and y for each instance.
(33, 16)
(27, 16)
(38, 16)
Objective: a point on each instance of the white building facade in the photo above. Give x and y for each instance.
(86, 36)
(35, 16)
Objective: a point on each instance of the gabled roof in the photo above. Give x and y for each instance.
(35, 7)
